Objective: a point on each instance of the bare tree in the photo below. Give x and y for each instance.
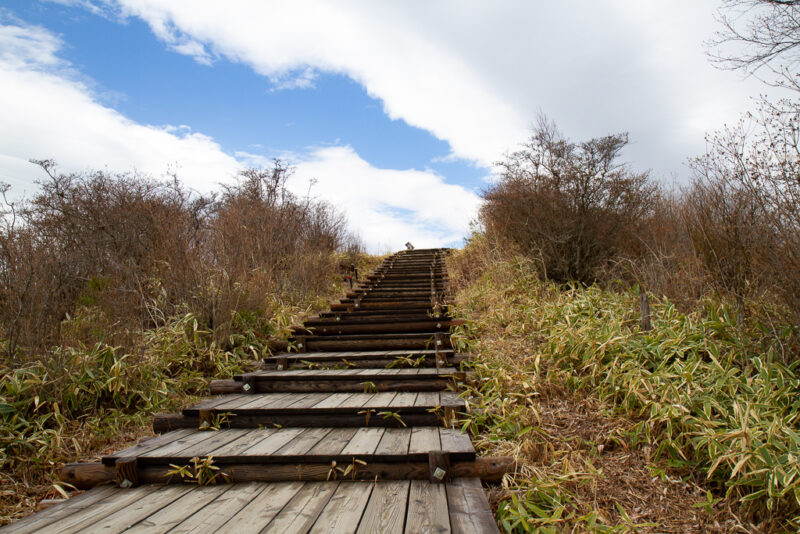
(760, 36)
(744, 211)
(571, 205)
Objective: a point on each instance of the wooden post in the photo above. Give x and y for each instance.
(126, 472)
(206, 419)
(248, 384)
(438, 467)
(281, 363)
(441, 360)
(644, 304)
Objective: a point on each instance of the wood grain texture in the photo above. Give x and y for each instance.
(262, 508)
(427, 509)
(300, 513)
(343, 512)
(211, 518)
(468, 507)
(385, 511)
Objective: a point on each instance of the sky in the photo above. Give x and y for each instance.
(394, 112)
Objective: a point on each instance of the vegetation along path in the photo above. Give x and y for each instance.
(347, 429)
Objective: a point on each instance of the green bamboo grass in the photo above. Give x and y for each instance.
(709, 395)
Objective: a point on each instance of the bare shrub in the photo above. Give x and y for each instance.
(744, 206)
(572, 206)
(134, 251)
(664, 262)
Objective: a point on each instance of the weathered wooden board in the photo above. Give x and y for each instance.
(385, 511)
(427, 505)
(269, 403)
(309, 445)
(468, 507)
(391, 507)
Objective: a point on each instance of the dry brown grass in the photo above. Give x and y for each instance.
(586, 461)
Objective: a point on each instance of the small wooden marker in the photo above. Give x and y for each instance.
(126, 472)
(206, 419)
(438, 467)
(248, 384)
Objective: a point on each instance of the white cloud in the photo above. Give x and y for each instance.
(476, 73)
(29, 47)
(46, 112)
(388, 207)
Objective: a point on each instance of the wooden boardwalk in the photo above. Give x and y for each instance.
(348, 429)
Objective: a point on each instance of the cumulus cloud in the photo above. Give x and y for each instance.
(477, 73)
(47, 112)
(387, 206)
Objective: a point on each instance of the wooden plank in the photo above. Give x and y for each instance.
(178, 510)
(450, 399)
(365, 441)
(355, 400)
(386, 510)
(70, 507)
(405, 398)
(211, 403)
(332, 401)
(124, 511)
(427, 508)
(381, 401)
(344, 510)
(232, 402)
(211, 517)
(275, 399)
(456, 443)
(273, 442)
(176, 445)
(334, 442)
(469, 509)
(253, 401)
(286, 400)
(427, 399)
(394, 442)
(366, 371)
(108, 505)
(249, 439)
(214, 440)
(309, 400)
(300, 514)
(424, 439)
(148, 445)
(303, 442)
(263, 508)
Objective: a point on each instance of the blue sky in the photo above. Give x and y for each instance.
(397, 110)
(152, 85)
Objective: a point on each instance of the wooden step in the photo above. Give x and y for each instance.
(350, 380)
(377, 359)
(386, 409)
(327, 328)
(358, 342)
(301, 445)
(390, 507)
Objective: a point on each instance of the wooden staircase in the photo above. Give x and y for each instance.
(349, 428)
